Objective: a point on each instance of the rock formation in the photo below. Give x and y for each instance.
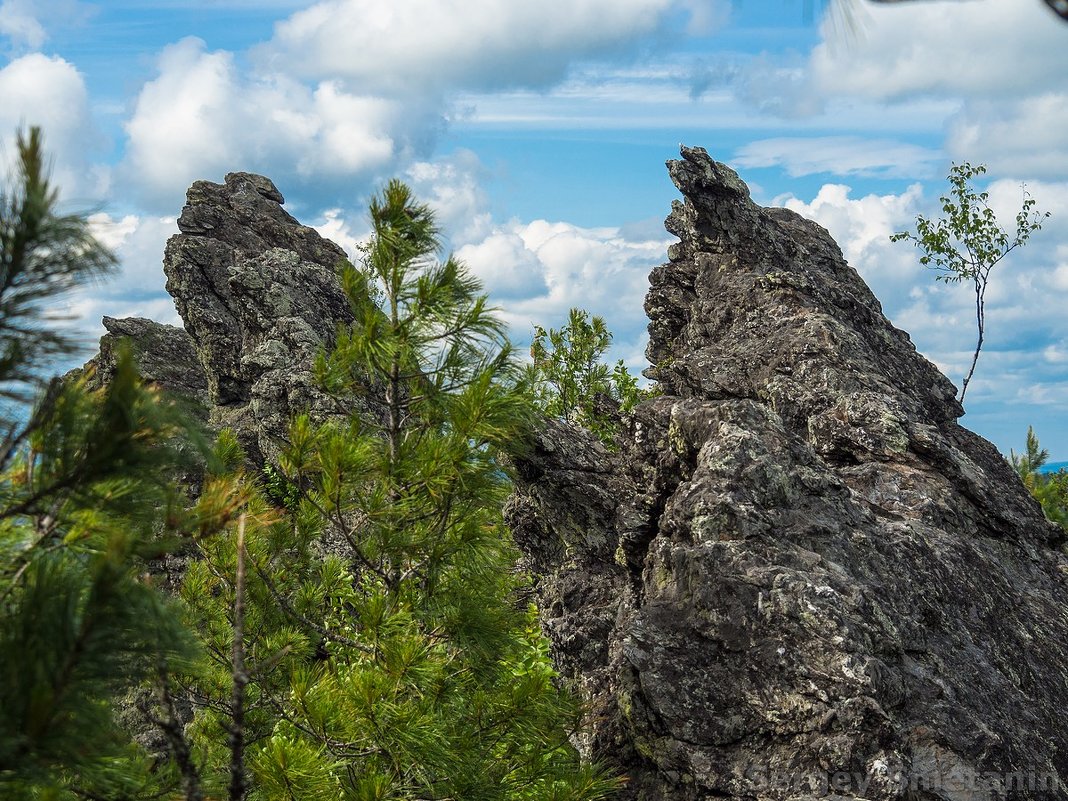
(165, 355)
(259, 296)
(258, 293)
(798, 576)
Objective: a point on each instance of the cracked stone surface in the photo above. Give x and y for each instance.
(258, 293)
(799, 576)
(165, 354)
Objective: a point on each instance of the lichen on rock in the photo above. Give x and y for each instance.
(800, 565)
(259, 297)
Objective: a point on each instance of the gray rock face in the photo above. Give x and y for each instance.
(800, 577)
(165, 355)
(259, 296)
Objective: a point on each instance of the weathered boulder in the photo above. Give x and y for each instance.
(800, 577)
(258, 292)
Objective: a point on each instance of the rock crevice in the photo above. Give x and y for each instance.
(259, 297)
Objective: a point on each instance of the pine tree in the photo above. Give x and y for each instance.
(1049, 489)
(571, 382)
(87, 500)
(390, 654)
(43, 254)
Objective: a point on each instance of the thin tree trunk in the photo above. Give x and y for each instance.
(393, 396)
(238, 785)
(979, 322)
(174, 730)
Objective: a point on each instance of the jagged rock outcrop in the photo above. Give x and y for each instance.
(800, 577)
(258, 293)
(259, 297)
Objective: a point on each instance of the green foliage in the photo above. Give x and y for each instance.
(82, 510)
(572, 383)
(1049, 489)
(388, 656)
(43, 254)
(88, 501)
(968, 242)
(360, 637)
(278, 489)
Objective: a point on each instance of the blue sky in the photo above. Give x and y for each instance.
(539, 131)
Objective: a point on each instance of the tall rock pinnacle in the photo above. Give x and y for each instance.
(258, 293)
(800, 577)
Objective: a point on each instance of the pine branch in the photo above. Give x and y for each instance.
(325, 633)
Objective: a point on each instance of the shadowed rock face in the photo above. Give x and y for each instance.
(165, 355)
(799, 563)
(259, 297)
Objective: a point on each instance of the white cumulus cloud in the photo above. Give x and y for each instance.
(1002, 62)
(540, 269)
(348, 92)
(202, 117)
(452, 187)
(47, 91)
(508, 269)
(137, 290)
(138, 242)
(1019, 136)
(340, 229)
(436, 45)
